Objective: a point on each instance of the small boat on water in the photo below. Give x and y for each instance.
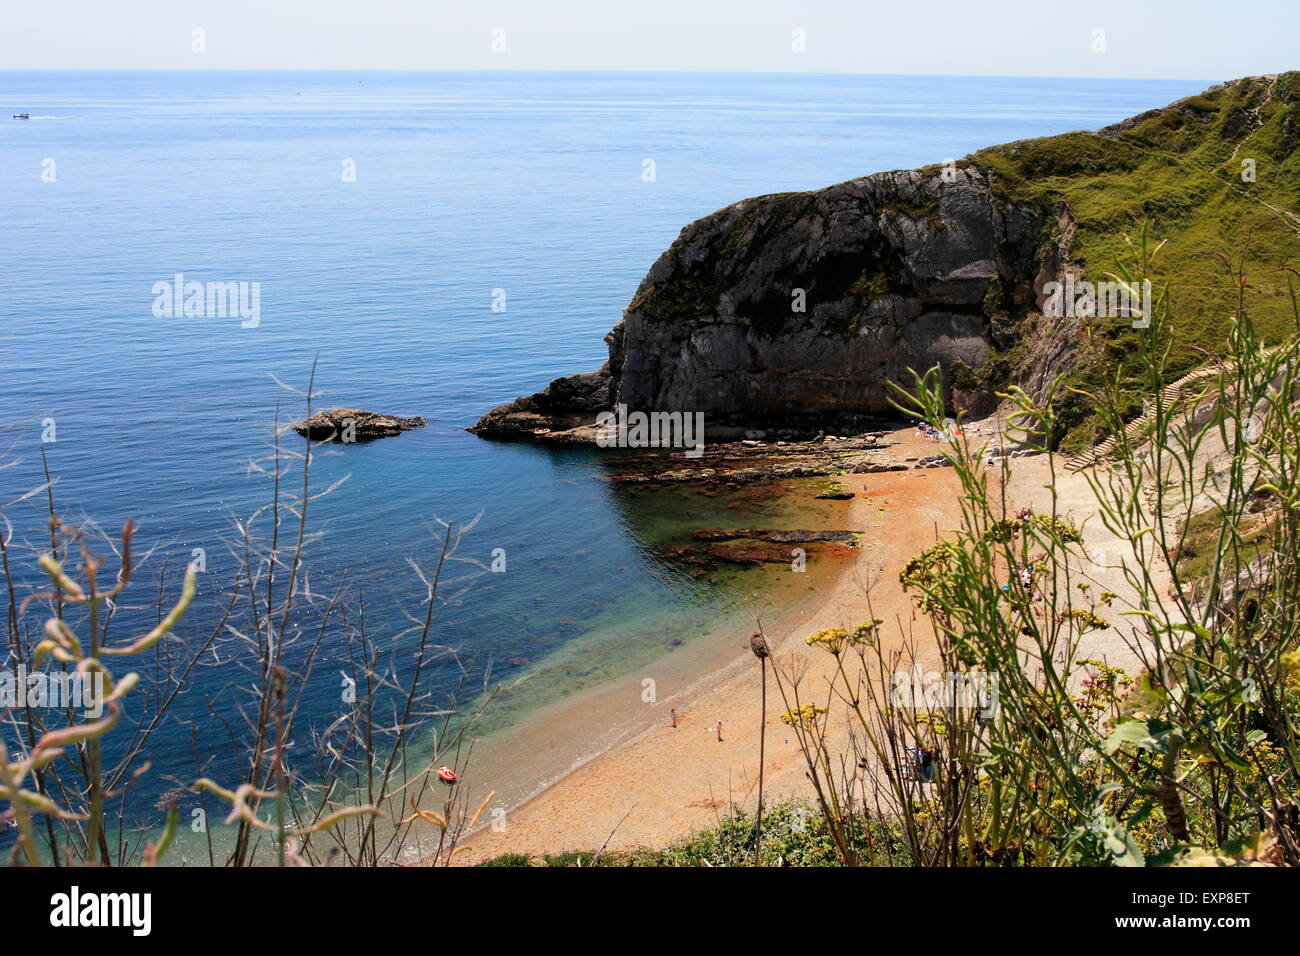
(22, 116)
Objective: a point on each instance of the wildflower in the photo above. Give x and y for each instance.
(934, 721)
(804, 716)
(1087, 620)
(1060, 528)
(1000, 532)
(933, 570)
(865, 633)
(1291, 663)
(832, 639)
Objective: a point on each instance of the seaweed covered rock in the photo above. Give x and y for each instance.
(353, 425)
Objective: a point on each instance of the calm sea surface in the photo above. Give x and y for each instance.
(467, 187)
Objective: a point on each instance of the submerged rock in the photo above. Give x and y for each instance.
(354, 424)
(777, 536)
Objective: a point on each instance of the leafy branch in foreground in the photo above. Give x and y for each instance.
(1036, 749)
(87, 737)
(73, 785)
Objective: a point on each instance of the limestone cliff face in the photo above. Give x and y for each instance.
(894, 269)
(801, 308)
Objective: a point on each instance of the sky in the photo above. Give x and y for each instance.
(1162, 39)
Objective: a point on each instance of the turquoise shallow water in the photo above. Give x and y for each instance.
(465, 184)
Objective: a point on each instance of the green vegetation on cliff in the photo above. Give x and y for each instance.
(880, 265)
(1213, 174)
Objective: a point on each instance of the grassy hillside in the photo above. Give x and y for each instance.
(1180, 170)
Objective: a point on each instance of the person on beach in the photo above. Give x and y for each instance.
(719, 731)
(672, 712)
(1029, 576)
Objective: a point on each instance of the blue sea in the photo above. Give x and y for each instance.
(469, 189)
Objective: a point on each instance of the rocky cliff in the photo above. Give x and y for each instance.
(797, 311)
(801, 308)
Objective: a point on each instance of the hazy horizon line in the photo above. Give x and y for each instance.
(697, 72)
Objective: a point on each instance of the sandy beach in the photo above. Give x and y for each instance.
(664, 782)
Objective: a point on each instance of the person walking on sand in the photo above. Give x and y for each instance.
(672, 713)
(719, 731)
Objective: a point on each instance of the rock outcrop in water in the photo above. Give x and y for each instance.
(795, 312)
(354, 424)
(800, 309)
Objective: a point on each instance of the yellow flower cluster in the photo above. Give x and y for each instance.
(832, 639)
(835, 639)
(934, 721)
(865, 633)
(805, 716)
(1087, 620)
(1291, 663)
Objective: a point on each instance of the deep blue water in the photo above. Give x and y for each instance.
(465, 184)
